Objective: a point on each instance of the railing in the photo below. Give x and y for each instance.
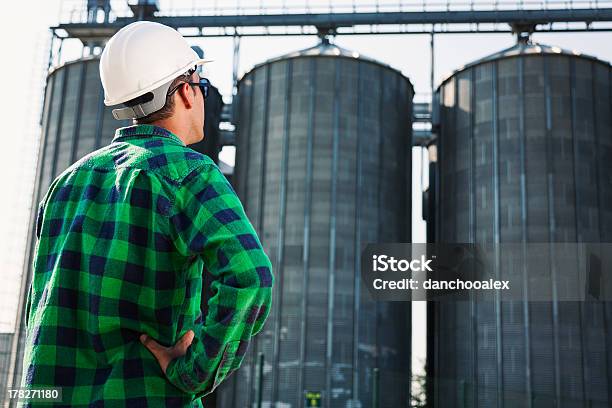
(75, 11)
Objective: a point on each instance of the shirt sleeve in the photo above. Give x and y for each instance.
(28, 308)
(39, 218)
(209, 221)
(37, 229)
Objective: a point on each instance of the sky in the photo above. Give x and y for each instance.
(24, 37)
(24, 47)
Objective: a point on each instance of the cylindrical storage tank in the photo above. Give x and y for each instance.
(323, 167)
(524, 155)
(76, 122)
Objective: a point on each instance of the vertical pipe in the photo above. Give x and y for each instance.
(577, 203)
(59, 51)
(552, 231)
(79, 108)
(597, 148)
(50, 59)
(440, 181)
(431, 73)
(436, 340)
(260, 224)
(99, 117)
(357, 249)
(602, 238)
(434, 150)
(264, 146)
(107, 9)
(574, 134)
(495, 125)
(281, 220)
(452, 233)
(60, 118)
(262, 183)
(438, 237)
(454, 164)
(332, 233)
(375, 385)
(523, 184)
(380, 201)
(473, 309)
(496, 239)
(307, 210)
(405, 229)
(43, 149)
(235, 64)
(260, 379)
(247, 138)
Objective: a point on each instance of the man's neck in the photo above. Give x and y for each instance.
(175, 128)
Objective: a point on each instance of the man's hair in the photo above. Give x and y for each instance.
(168, 108)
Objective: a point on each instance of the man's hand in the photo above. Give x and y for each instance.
(166, 354)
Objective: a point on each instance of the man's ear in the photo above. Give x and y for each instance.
(185, 95)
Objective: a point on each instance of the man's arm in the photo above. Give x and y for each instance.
(209, 221)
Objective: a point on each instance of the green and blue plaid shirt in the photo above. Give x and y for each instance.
(144, 235)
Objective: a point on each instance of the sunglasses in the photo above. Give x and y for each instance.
(204, 85)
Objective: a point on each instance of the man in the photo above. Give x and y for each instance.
(126, 237)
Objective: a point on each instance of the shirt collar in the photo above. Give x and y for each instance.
(144, 131)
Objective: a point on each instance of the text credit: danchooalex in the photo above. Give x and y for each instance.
(486, 272)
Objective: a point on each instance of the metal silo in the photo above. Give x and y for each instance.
(323, 166)
(75, 122)
(524, 155)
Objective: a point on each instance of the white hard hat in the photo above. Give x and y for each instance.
(143, 58)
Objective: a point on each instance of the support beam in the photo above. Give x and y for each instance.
(335, 21)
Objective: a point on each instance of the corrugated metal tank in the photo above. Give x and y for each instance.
(524, 155)
(323, 166)
(75, 122)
